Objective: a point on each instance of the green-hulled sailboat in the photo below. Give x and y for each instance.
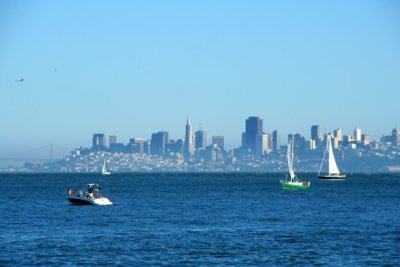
(293, 182)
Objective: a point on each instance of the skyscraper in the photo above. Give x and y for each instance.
(219, 141)
(136, 145)
(146, 147)
(112, 139)
(188, 148)
(254, 127)
(244, 139)
(357, 135)
(158, 142)
(166, 136)
(98, 142)
(261, 144)
(200, 139)
(114, 146)
(276, 141)
(316, 133)
(269, 141)
(366, 139)
(338, 134)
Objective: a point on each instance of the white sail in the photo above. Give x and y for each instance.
(290, 160)
(104, 170)
(294, 182)
(332, 166)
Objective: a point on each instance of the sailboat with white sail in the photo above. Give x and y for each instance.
(333, 170)
(293, 182)
(104, 170)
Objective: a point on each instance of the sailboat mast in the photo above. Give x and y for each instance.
(292, 147)
(323, 157)
(292, 158)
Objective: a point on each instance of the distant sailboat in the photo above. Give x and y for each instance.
(104, 170)
(294, 182)
(333, 170)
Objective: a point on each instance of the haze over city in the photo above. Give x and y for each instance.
(69, 69)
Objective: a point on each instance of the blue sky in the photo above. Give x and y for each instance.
(135, 67)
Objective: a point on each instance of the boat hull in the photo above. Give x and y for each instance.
(332, 177)
(89, 201)
(301, 186)
(79, 201)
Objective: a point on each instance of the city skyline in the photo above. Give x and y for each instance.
(70, 69)
(99, 139)
(253, 128)
(259, 151)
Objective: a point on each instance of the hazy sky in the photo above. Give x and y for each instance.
(131, 68)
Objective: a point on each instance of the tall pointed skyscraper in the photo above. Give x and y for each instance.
(188, 148)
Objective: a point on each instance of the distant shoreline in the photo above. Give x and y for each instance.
(199, 173)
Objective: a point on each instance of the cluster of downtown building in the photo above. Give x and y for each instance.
(255, 142)
(193, 147)
(259, 150)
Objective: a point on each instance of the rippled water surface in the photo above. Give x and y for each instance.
(200, 219)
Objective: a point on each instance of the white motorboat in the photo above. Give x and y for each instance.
(90, 196)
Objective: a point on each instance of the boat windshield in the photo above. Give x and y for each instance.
(94, 188)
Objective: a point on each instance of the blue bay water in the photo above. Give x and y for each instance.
(200, 219)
